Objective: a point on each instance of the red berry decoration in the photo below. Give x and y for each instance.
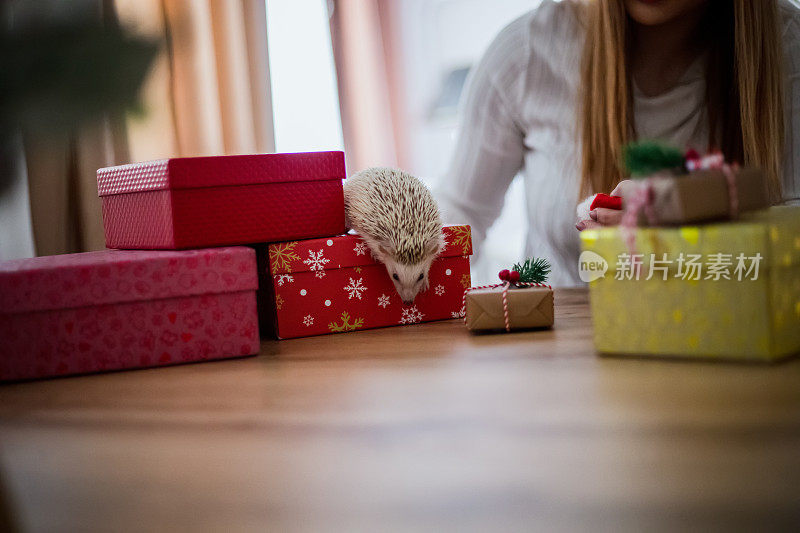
(504, 274)
(513, 276)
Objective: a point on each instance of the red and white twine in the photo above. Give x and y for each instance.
(733, 192)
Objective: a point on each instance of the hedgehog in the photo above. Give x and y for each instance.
(399, 221)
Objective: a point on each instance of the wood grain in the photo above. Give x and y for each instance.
(423, 427)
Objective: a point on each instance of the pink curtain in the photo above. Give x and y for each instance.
(367, 55)
(207, 94)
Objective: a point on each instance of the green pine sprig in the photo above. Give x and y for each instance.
(533, 270)
(642, 159)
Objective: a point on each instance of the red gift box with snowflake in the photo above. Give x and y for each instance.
(334, 285)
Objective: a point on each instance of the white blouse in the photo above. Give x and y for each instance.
(520, 115)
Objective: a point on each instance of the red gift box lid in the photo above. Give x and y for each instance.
(349, 250)
(116, 276)
(216, 171)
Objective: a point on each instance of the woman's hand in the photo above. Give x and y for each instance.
(602, 216)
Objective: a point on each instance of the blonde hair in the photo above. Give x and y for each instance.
(744, 89)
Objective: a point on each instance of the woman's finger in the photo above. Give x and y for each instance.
(606, 217)
(623, 188)
(587, 224)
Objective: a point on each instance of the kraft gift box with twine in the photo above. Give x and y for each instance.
(521, 301)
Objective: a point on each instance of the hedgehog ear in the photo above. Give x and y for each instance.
(434, 247)
(385, 250)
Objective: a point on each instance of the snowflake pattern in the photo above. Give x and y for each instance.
(355, 288)
(461, 236)
(316, 262)
(458, 314)
(383, 301)
(284, 278)
(308, 320)
(281, 256)
(411, 315)
(466, 281)
(360, 248)
(346, 325)
(439, 290)
(320, 274)
(279, 301)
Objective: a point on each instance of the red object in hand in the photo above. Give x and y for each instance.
(607, 201)
(513, 276)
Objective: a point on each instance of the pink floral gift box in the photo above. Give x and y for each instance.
(113, 310)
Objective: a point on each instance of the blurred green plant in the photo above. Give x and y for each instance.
(644, 158)
(56, 77)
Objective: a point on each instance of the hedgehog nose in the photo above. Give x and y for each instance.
(408, 302)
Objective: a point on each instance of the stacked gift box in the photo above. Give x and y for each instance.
(333, 285)
(720, 290)
(701, 267)
(199, 247)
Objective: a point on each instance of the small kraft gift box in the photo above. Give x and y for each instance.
(334, 285)
(673, 188)
(196, 202)
(521, 301)
(112, 310)
(724, 290)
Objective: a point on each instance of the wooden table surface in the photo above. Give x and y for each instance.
(416, 428)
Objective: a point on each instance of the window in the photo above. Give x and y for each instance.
(305, 101)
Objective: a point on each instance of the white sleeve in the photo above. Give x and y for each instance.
(489, 151)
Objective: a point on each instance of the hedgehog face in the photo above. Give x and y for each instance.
(409, 279)
(408, 272)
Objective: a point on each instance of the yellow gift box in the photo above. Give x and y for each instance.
(742, 302)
